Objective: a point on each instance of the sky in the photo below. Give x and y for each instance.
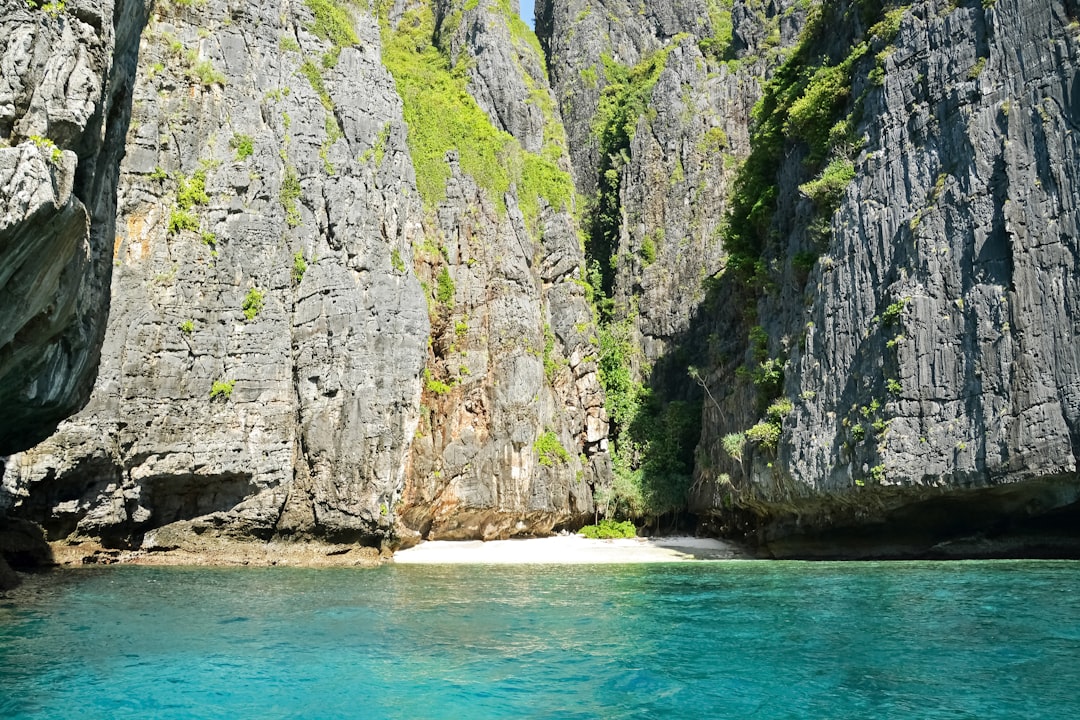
(527, 12)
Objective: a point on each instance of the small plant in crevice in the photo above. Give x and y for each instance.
(253, 303)
(180, 219)
(207, 74)
(552, 362)
(648, 251)
(222, 389)
(396, 261)
(828, 187)
(779, 409)
(299, 267)
(444, 287)
(190, 192)
(435, 387)
(314, 76)
(244, 145)
(892, 314)
(768, 378)
(549, 451)
(290, 193)
(52, 9)
(52, 153)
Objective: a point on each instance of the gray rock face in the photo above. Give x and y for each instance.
(310, 336)
(675, 174)
(579, 34)
(507, 76)
(270, 338)
(932, 359)
(673, 193)
(514, 437)
(65, 80)
(261, 366)
(515, 347)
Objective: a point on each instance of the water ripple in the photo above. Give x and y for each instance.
(723, 640)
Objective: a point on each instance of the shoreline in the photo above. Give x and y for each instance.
(569, 550)
(552, 550)
(221, 553)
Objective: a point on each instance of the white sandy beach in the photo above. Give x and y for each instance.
(567, 549)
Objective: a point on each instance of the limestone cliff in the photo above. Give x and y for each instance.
(306, 280)
(900, 368)
(657, 103)
(65, 83)
(390, 271)
(513, 436)
(65, 100)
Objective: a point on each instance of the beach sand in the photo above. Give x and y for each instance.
(568, 549)
(558, 549)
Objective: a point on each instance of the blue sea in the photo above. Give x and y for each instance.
(749, 639)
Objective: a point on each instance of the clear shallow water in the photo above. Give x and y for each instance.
(719, 640)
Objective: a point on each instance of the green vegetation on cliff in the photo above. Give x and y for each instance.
(720, 22)
(623, 102)
(653, 435)
(806, 105)
(808, 109)
(808, 112)
(443, 117)
(549, 451)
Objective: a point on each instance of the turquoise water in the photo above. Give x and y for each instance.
(710, 640)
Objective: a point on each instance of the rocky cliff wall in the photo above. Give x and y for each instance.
(360, 257)
(513, 438)
(657, 102)
(906, 372)
(66, 73)
(260, 368)
(306, 280)
(65, 101)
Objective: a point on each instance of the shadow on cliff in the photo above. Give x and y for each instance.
(22, 547)
(685, 394)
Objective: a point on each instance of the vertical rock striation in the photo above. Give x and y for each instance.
(261, 366)
(925, 329)
(306, 279)
(66, 73)
(513, 440)
(377, 276)
(65, 92)
(657, 103)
